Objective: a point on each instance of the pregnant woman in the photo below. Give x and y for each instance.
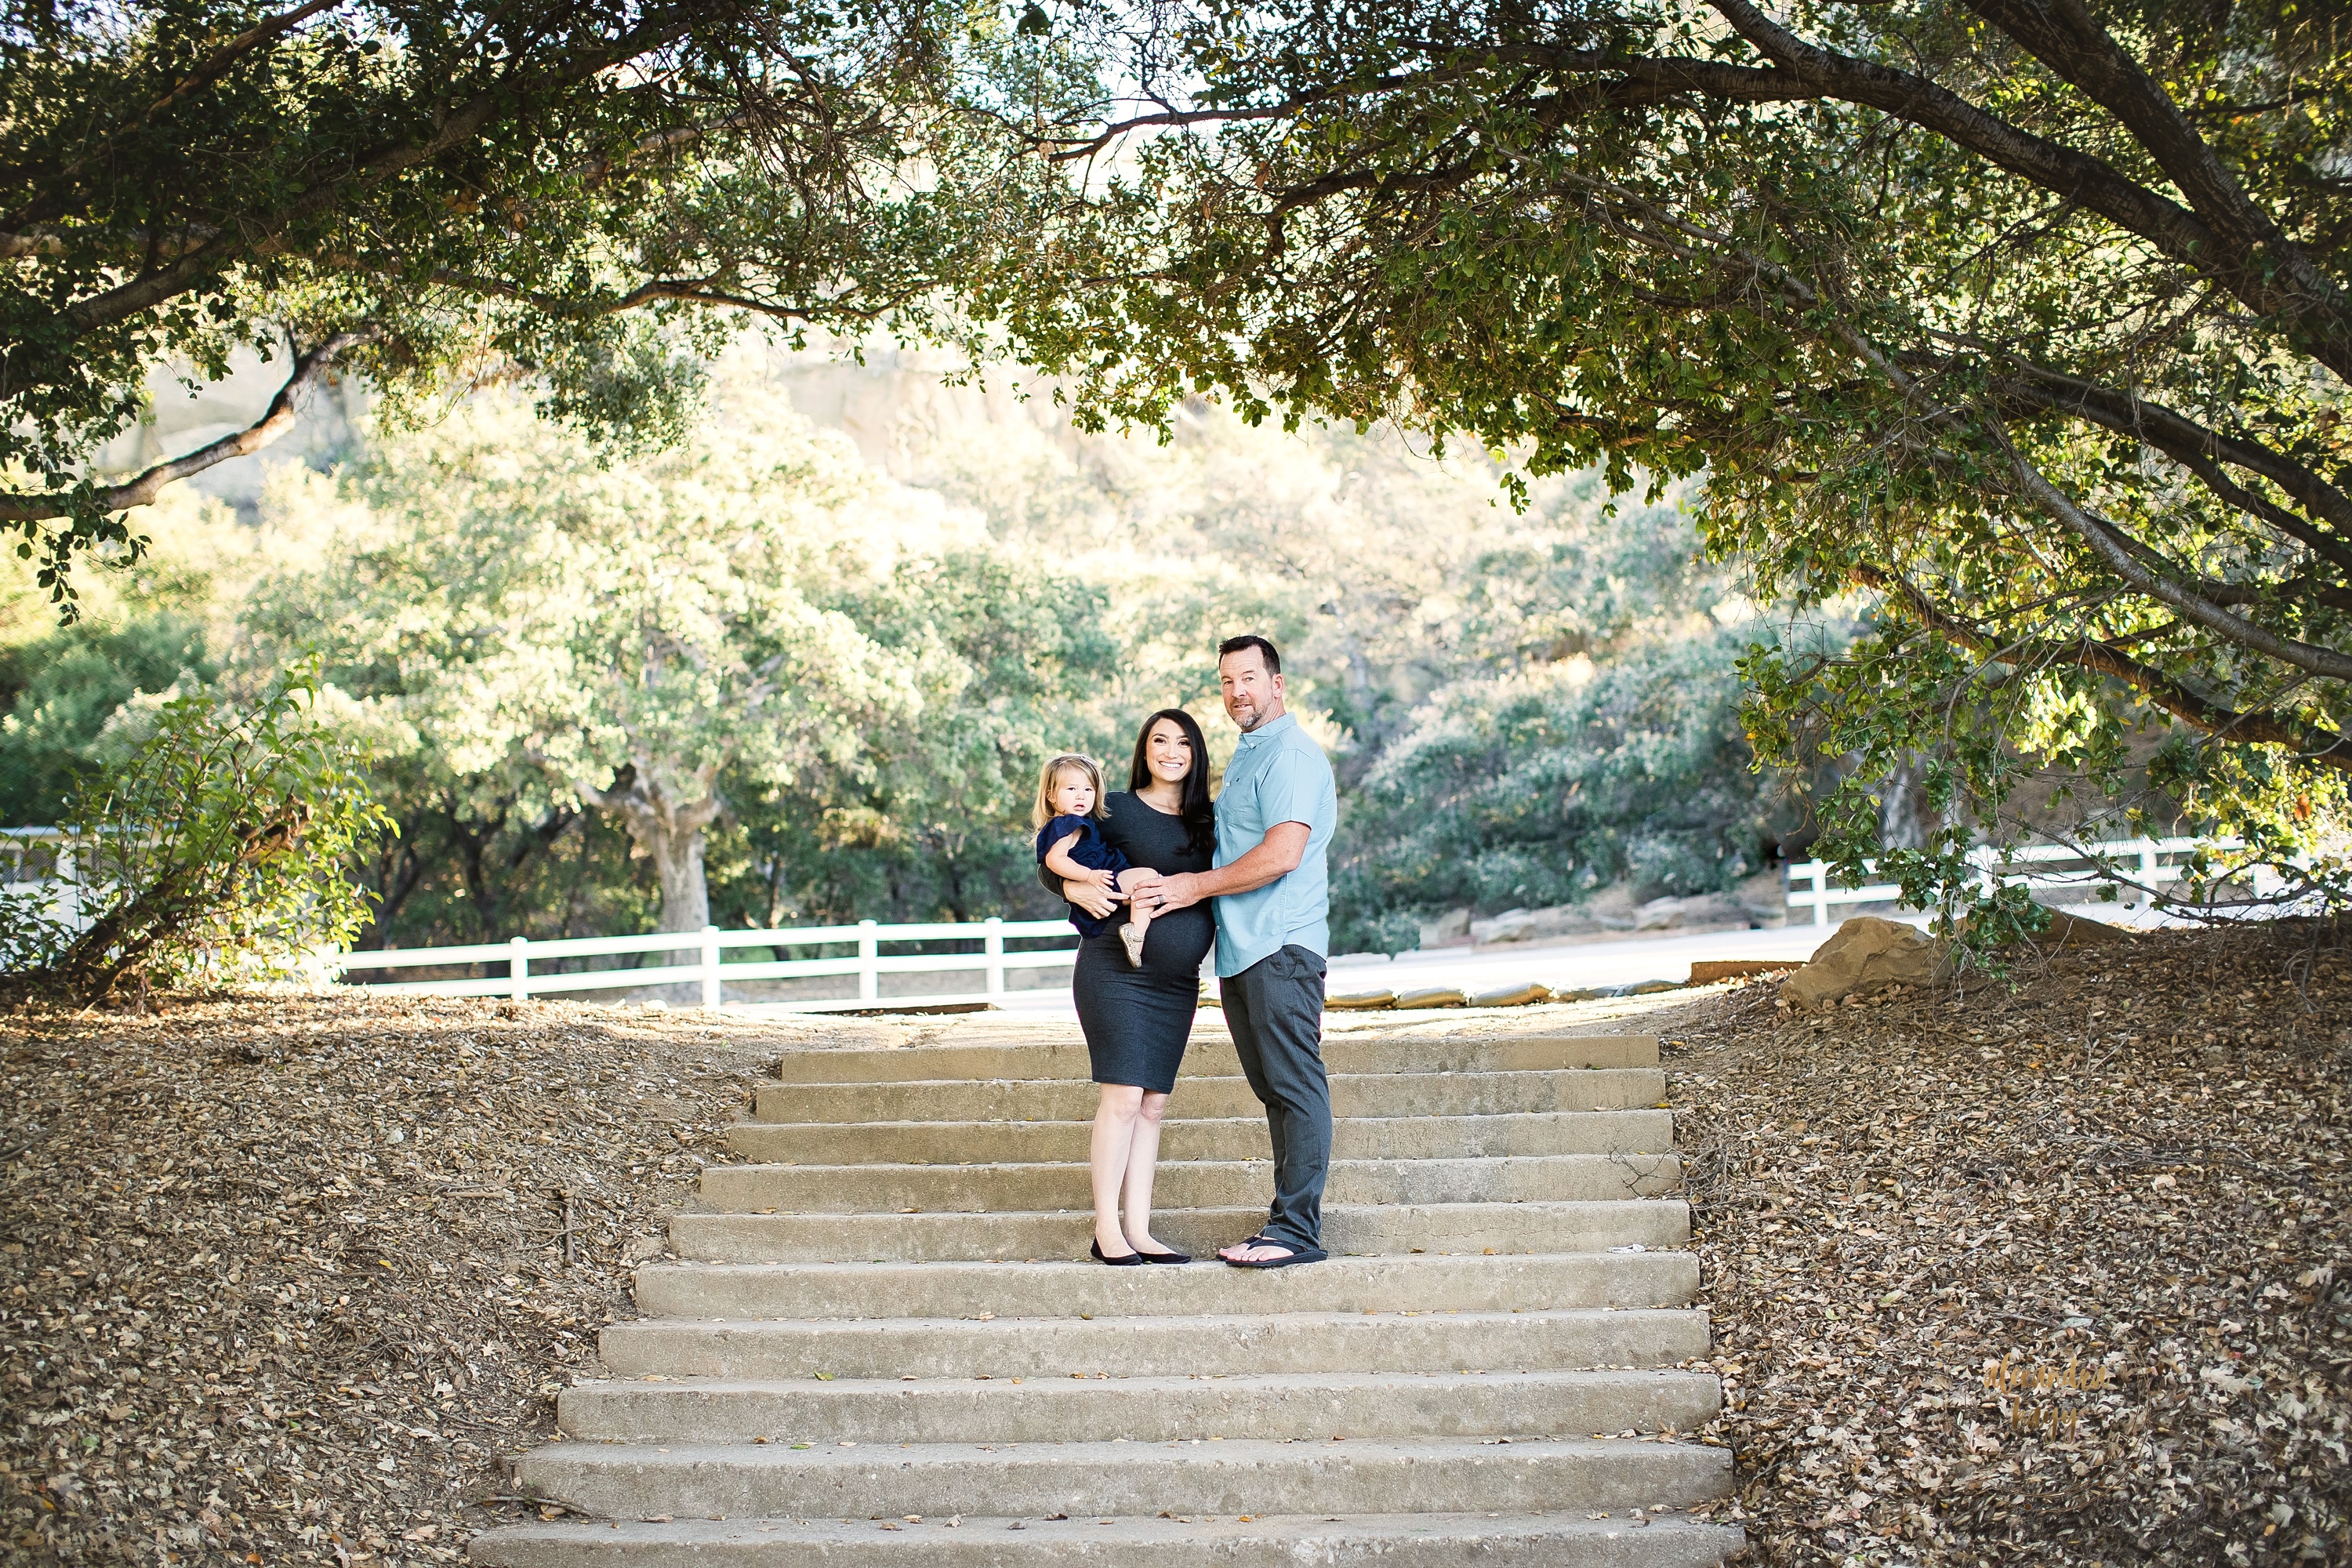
(1139, 1018)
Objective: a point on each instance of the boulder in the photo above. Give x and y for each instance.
(2074, 931)
(1864, 955)
(1450, 928)
(1695, 912)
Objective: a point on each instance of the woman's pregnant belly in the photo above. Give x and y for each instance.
(1177, 940)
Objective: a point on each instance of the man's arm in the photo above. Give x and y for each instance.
(1276, 855)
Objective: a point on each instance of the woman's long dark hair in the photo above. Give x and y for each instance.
(1200, 816)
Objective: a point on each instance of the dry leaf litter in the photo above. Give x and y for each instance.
(2055, 1269)
(283, 1280)
(2046, 1270)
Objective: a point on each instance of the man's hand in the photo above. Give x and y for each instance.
(1177, 891)
(1276, 854)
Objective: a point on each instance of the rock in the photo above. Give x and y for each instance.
(2074, 931)
(1700, 910)
(1435, 997)
(1354, 1000)
(1450, 928)
(1864, 955)
(1511, 925)
(2066, 931)
(1516, 996)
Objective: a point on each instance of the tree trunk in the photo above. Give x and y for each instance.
(665, 821)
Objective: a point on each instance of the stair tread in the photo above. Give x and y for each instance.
(1011, 1327)
(1094, 1457)
(1371, 1161)
(1395, 1540)
(839, 1387)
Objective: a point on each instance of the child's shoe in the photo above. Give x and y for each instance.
(1133, 941)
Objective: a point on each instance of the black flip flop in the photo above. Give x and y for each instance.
(1298, 1255)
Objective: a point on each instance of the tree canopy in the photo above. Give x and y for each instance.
(583, 198)
(2028, 321)
(750, 626)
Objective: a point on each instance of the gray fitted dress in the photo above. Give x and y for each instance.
(1139, 1021)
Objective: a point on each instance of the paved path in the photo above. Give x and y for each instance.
(1563, 965)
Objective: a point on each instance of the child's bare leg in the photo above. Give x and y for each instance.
(1139, 924)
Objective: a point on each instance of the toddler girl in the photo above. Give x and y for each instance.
(1069, 801)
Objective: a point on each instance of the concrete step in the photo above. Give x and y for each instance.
(1091, 1541)
(1103, 1407)
(1212, 1054)
(1638, 1132)
(1353, 1095)
(1180, 1184)
(1239, 1476)
(1463, 1282)
(1347, 1228)
(1211, 1346)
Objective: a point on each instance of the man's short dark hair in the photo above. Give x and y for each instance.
(1265, 649)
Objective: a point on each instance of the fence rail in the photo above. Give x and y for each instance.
(698, 960)
(2051, 868)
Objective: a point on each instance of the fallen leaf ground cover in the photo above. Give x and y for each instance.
(283, 1280)
(2051, 1268)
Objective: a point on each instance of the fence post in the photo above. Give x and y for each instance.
(1820, 891)
(711, 966)
(869, 979)
(519, 968)
(992, 943)
(2147, 873)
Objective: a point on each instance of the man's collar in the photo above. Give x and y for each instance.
(1271, 727)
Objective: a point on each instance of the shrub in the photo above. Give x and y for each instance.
(214, 850)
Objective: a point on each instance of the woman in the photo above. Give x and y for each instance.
(1138, 1019)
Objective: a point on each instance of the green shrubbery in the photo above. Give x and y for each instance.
(213, 846)
(1540, 788)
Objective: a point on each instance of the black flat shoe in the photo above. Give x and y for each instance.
(1130, 1261)
(1164, 1257)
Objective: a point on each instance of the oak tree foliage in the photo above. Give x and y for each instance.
(2027, 321)
(584, 198)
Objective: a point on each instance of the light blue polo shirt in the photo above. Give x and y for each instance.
(1279, 775)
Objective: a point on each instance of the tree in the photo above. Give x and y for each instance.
(750, 615)
(577, 196)
(2027, 323)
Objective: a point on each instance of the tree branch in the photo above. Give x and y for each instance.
(2323, 746)
(265, 236)
(2174, 229)
(275, 422)
(2112, 547)
(203, 76)
(2068, 40)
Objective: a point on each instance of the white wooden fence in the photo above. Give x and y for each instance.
(2146, 863)
(710, 972)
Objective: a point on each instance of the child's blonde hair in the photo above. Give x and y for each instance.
(1043, 812)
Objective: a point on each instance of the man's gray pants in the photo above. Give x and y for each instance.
(1274, 1010)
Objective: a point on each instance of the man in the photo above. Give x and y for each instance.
(1275, 815)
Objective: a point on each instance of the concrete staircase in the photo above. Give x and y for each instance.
(886, 1349)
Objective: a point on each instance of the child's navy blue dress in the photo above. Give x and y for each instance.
(1090, 851)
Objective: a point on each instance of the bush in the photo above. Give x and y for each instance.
(1537, 789)
(216, 850)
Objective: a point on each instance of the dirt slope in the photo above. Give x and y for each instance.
(2124, 1180)
(280, 1280)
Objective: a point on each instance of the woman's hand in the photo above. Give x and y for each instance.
(1095, 900)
